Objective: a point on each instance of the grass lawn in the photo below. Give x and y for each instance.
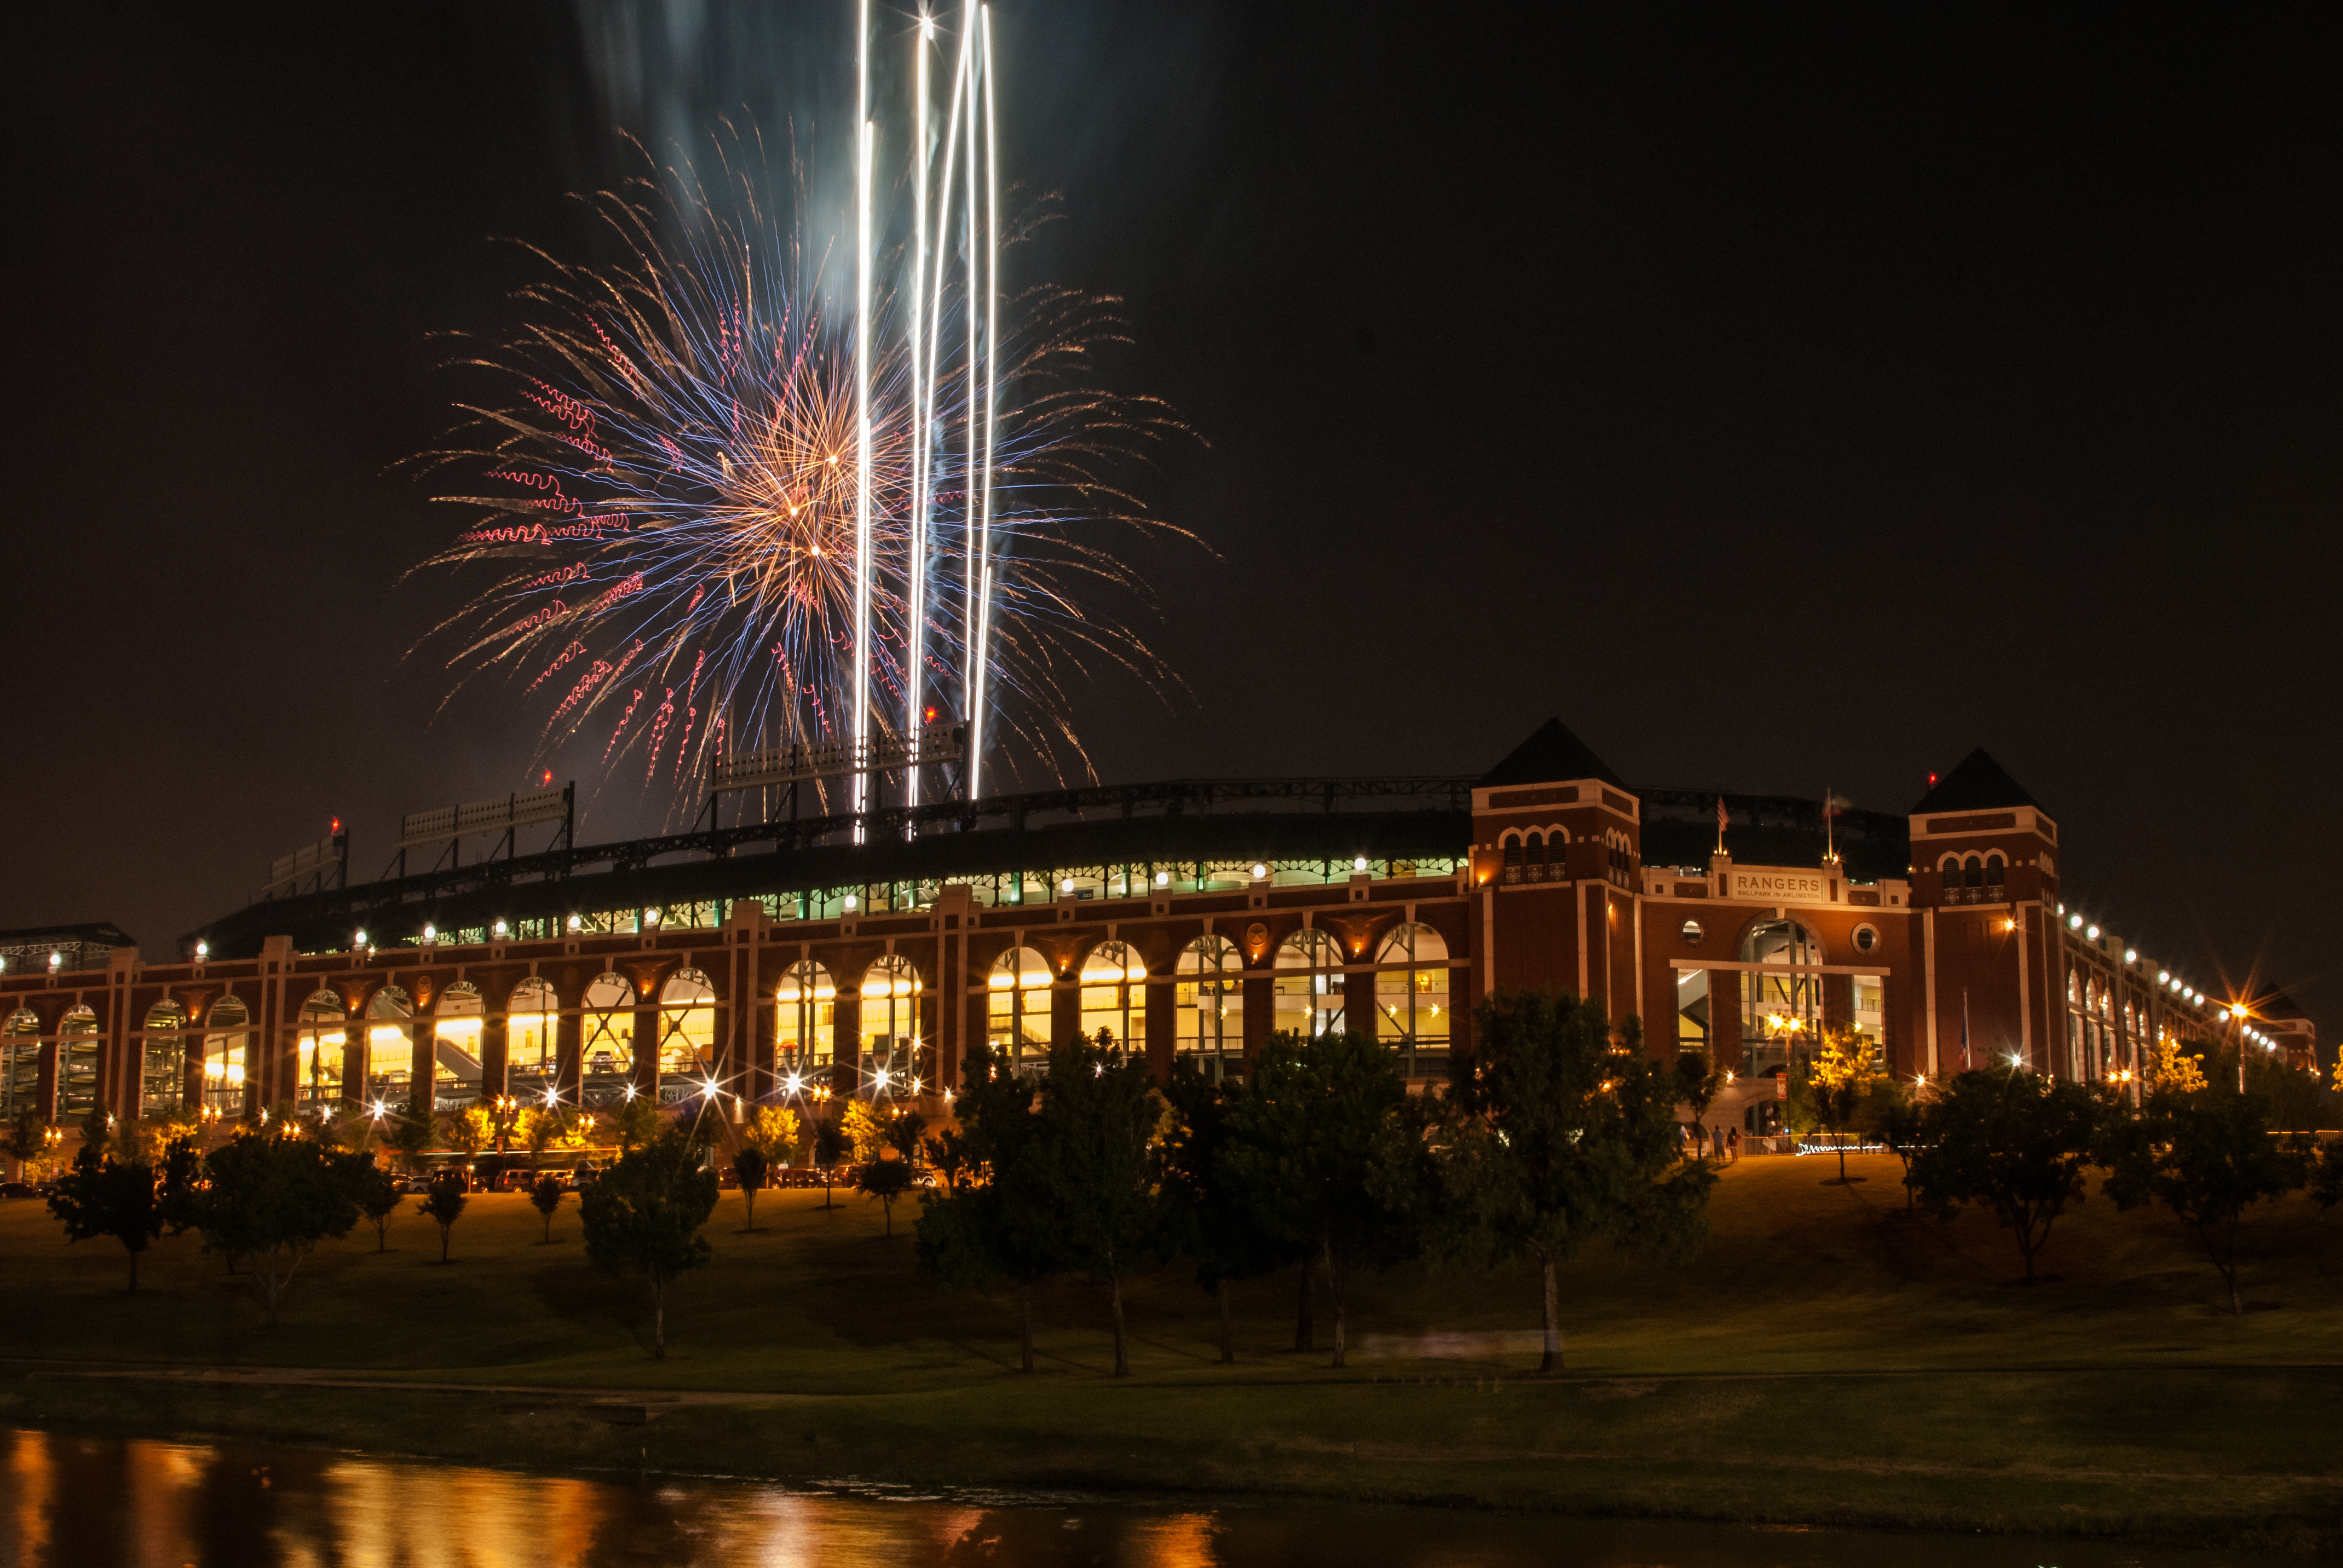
(1824, 1357)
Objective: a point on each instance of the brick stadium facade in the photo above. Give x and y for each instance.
(1194, 919)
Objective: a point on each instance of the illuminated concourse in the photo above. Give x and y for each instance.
(1187, 921)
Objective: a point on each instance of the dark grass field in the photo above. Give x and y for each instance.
(1824, 1357)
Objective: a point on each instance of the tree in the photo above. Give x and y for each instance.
(1100, 1113)
(97, 1127)
(2174, 1068)
(535, 1128)
(1841, 1082)
(372, 1189)
(829, 1146)
(1559, 1131)
(644, 1215)
(1902, 1125)
(443, 1202)
(773, 1131)
(2208, 1157)
(151, 1136)
(992, 1219)
(410, 1133)
(2327, 1181)
(866, 1129)
(545, 1197)
(638, 1122)
(2297, 1103)
(886, 1179)
(181, 1191)
(102, 1196)
(905, 1130)
(2011, 1140)
(33, 1143)
(272, 1198)
(1304, 1139)
(1206, 1213)
(1698, 1079)
(748, 1169)
(471, 1129)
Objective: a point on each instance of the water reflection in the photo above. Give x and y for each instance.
(89, 1503)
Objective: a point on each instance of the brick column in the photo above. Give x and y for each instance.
(647, 1033)
(1162, 1027)
(1725, 1016)
(495, 1063)
(569, 1052)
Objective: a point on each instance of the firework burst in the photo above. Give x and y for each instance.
(665, 488)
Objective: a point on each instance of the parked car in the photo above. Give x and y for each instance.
(18, 1189)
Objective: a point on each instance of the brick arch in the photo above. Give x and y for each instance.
(1084, 948)
(47, 1017)
(1766, 918)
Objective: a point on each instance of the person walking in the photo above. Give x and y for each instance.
(1733, 1141)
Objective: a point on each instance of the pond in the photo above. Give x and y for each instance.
(67, 1501)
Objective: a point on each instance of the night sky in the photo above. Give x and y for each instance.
(1783, 403)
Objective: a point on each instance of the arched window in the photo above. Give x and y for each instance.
(1017, 1010)
(76, 1063)
(890, 1025)
(1208, 1003)
(606, 1054)
(1411, 1003)
(20, 1063)
(1537, 857)
(1973, 872)
(227, 1051)
(1995, 870)
(2074, 990)
(805, 1024)
(456, 1022)
(686, 1051)
(321, 1042)
(1114, 996)
(163, 1060)
(1513, 846)
(1782, 1010)
(1306, 994)
(532, 1039)
(1951, 871)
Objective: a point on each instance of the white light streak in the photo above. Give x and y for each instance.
(915, 627)
(862, 562)
(980, 655)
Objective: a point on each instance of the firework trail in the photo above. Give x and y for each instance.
(672, 483)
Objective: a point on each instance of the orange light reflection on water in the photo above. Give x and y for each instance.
(88, 1501)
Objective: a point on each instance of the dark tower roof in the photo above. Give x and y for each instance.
(1548, 757)
(1978, 784)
